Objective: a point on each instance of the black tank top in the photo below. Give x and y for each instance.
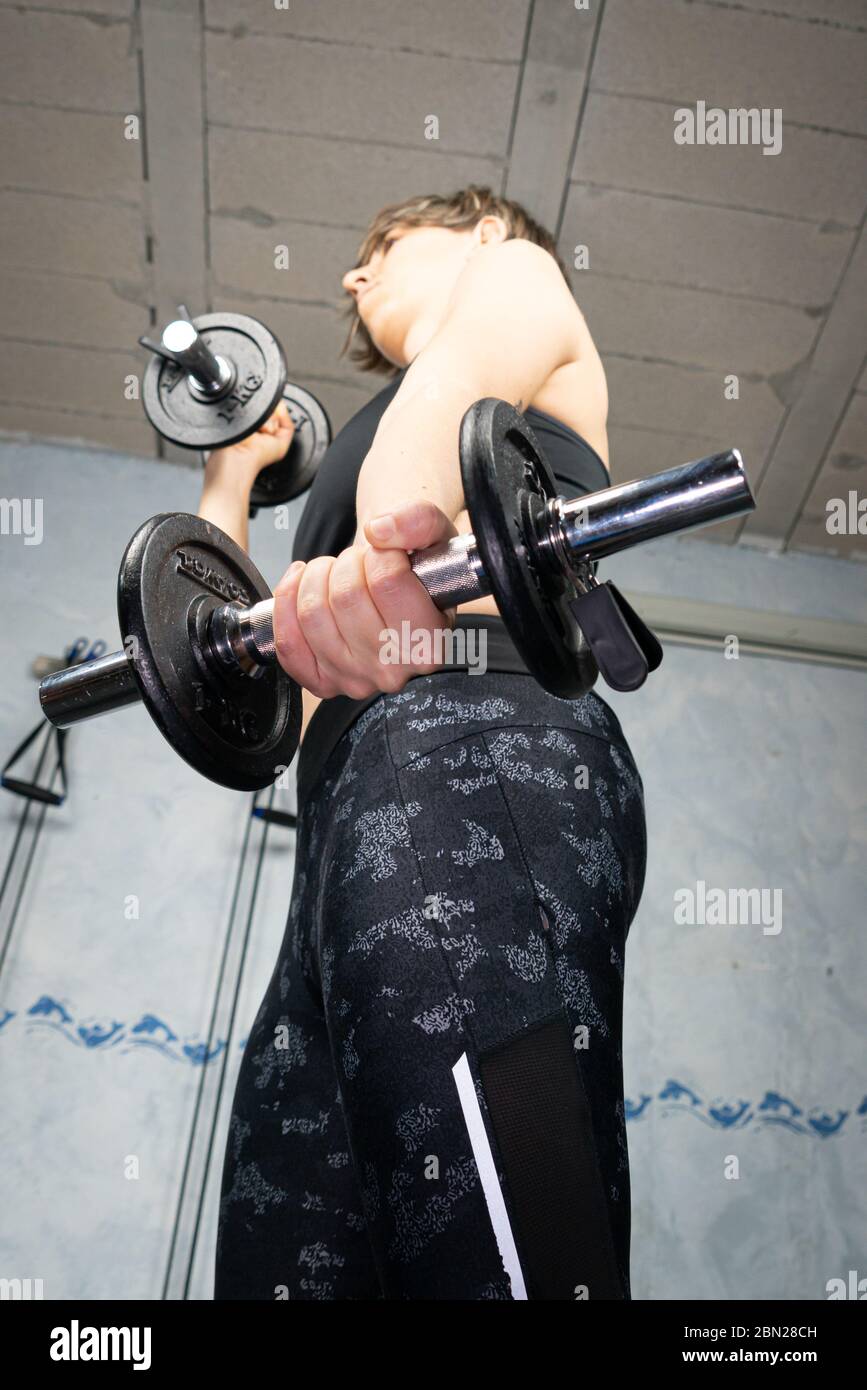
(328, 525)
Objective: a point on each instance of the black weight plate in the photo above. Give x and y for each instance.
(507, 483)
(234, 729)
(260, 375)
(292, 475)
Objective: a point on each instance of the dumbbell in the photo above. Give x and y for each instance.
(197, 616)
(216, 379)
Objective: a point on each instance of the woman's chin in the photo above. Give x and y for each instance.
(389, 349)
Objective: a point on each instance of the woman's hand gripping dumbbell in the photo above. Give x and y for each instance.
(232, 470)
(330, 613)
(205, 643)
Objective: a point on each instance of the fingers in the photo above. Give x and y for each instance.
(331, 615)
(294, 653)
(311, 647)
(270, 442)
(360, 624)
(409, 526)
(280, 419)
(398, 595)
(401, 598)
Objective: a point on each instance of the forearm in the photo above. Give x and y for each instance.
(225, 499)
(415, 453)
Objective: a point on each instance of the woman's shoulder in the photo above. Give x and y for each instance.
(576, 394)
(579, 414)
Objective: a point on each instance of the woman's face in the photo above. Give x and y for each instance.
(407, 284)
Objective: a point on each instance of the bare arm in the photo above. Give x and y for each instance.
(511, 322)
(230, 474)
(225, 496)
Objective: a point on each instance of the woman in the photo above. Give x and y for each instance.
(430, 1104)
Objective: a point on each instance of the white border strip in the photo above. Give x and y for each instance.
(488, 1174)
(790, 636)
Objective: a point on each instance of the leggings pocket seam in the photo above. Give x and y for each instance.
(464, 1024)
(518, 841)
(483, 733)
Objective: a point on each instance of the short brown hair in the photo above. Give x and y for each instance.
(460, 211)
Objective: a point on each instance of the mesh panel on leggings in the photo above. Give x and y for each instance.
(553, 1186)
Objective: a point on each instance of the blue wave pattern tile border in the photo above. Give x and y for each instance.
(773, 1109)
(151, 1031)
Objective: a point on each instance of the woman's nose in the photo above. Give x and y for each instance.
(355, 280)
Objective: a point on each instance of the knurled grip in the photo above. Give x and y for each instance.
(452, 572)
(260, 625)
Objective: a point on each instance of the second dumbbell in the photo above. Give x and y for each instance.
(215, 380)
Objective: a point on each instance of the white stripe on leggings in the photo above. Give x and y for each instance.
(488, 1174)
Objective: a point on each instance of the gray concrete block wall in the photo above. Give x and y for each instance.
(74, 153)
(52, 235)
(67, 60)
(845, 472)
(494, 28)
(627, 143)
(722, 249)
(745, 229)
(74, 275)
(69, 312)
(826, 11)
(680, 52)
(244, 252)
(325, 90)
(312, 117)
(694, 328)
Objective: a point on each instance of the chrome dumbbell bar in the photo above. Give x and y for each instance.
(575, 533)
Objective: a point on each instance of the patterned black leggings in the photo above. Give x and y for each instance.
(430, 1104)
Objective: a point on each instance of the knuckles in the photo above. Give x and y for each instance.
(391, 679)
(346, 594)
(359, 689)
(325, 689)
(386, 575)
(311, 607)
